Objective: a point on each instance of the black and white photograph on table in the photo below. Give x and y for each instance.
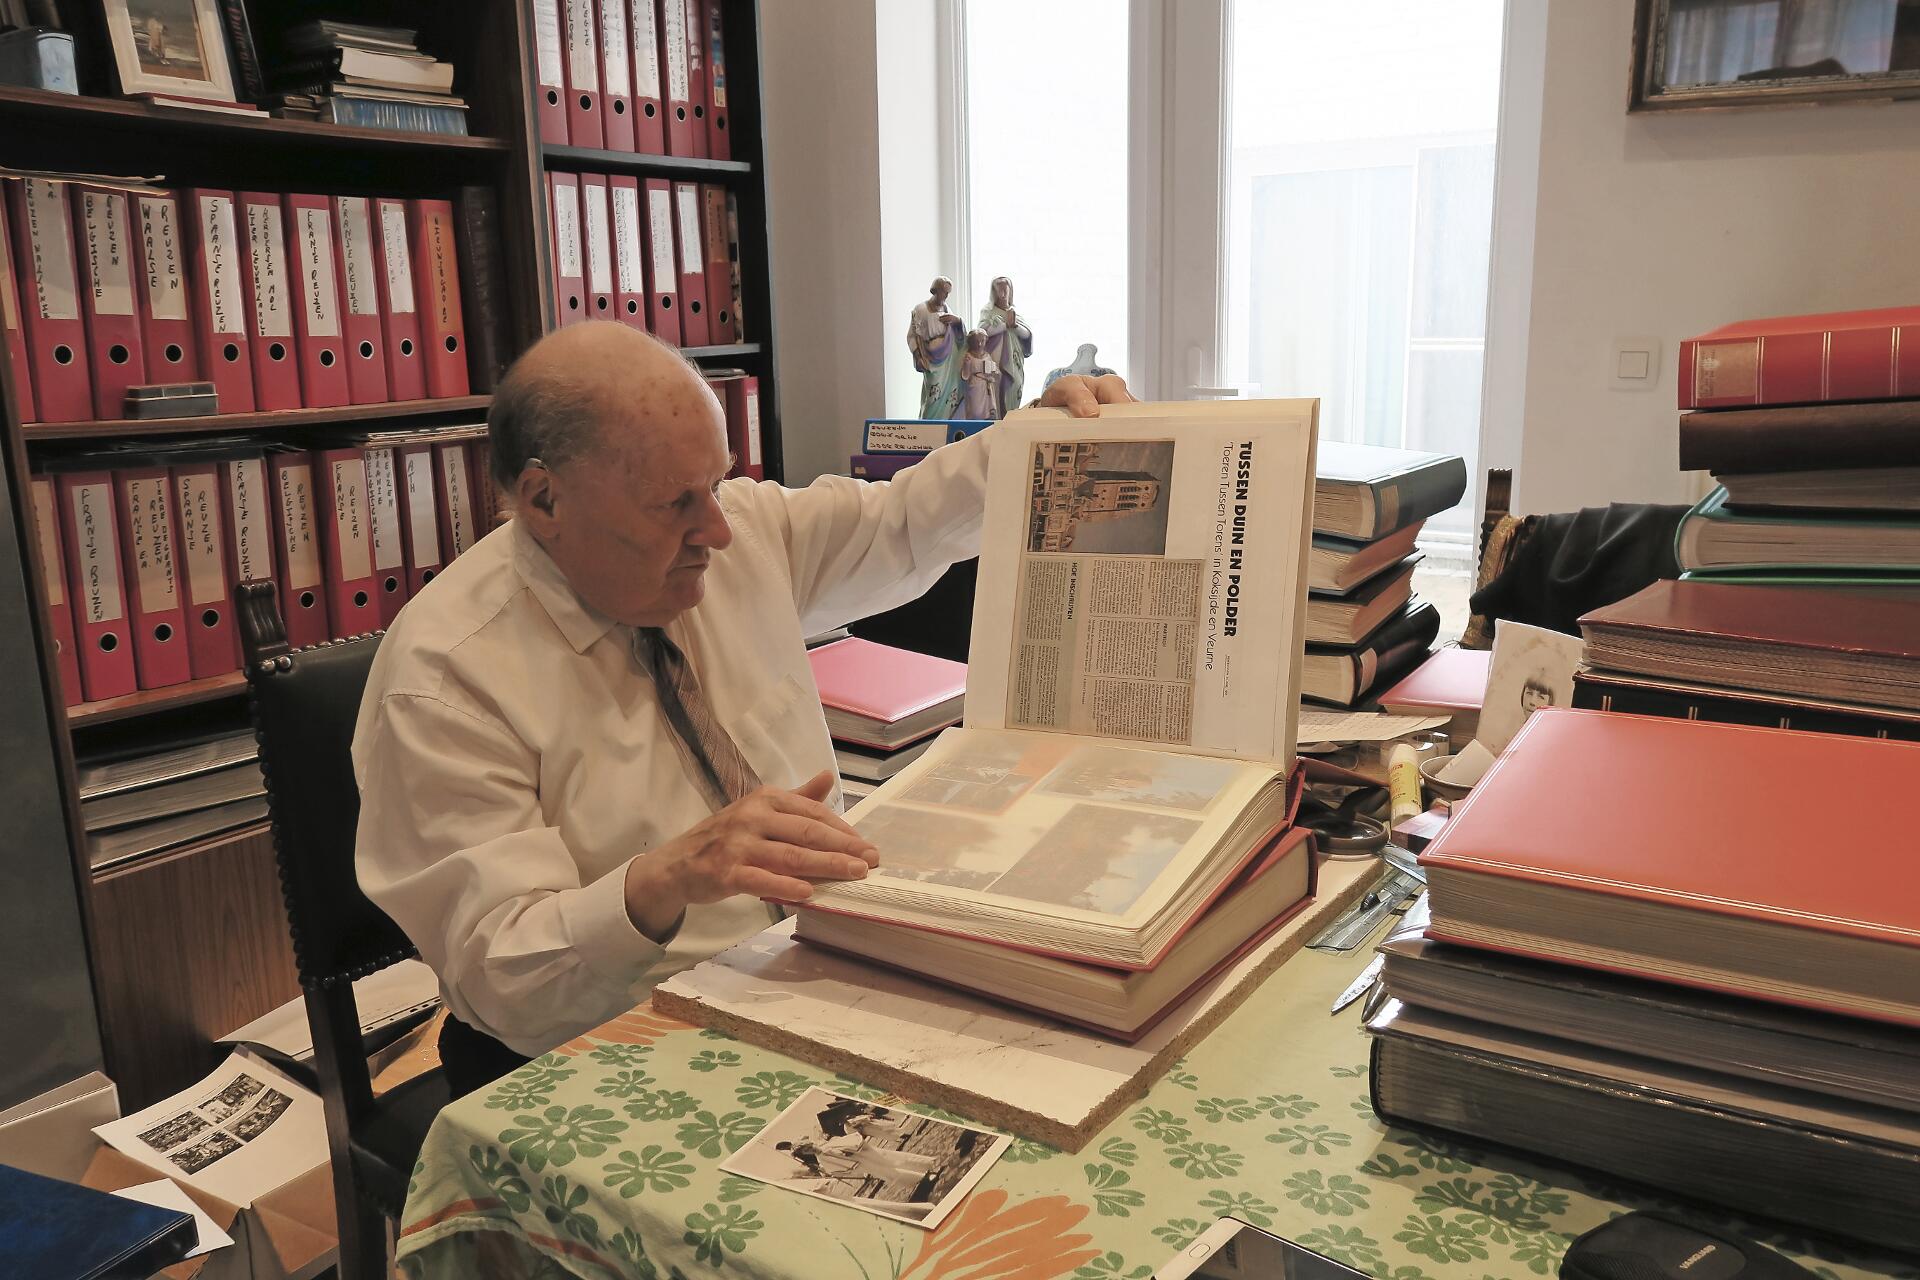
(214, 1146)
(880, 1159)
(258, 1120)
(231, 1100)
(175, 47)
(173, 1131)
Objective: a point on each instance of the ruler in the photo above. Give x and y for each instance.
(1357, 923)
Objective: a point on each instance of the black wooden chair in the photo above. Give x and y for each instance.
(304, 703)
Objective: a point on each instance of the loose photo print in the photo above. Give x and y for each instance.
(1100, 497)
(171, 1132)
(1160, 780)
(231, 1100)
(881, 1160)
(1097, 859)
(257, 1121)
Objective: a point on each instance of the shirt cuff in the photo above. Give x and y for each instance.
(603, 935)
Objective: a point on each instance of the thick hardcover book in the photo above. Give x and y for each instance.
(1347, 618)
(1823, 437)
(1453, 682)
(1366, 491)
(57, 1228)
(1858, 646)
(1600, 690)
(1342, 674)
(1790, 1155)
(881, 697)
(1715, 536)
(483, 284)
(1843, 489)
(1842, 355)
(1691, 853)
(1336, 566)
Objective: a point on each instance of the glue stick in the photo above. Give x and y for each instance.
(1403, 780)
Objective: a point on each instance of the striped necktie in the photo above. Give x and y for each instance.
(705, 744)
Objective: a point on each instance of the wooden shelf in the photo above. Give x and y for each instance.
(598, 161)
(27, 107)
(280, 420)
(726, 349)
(175, 695)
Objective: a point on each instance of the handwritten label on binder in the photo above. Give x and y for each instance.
(199, 504)
(272, 317)
(566, 227)
(393, 235)
(247, 494)
(315, 232)
(688, 197)
(453, 467)
(424, 532)
(599, 239)
(301, 554)
(166, 276)
(580, 50)
(675, 39)
(546, 41)
(222, 246)
(383, 510)
(109, 274)
(660, 214)
(626, 237)
(356, 256)
(613, 46)
(753, 428)
(151, 534)
(350, 517)
(94, 554)
(646, 52)
(55, 291)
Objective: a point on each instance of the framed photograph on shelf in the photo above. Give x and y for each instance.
(175, 48)
(1742, 53)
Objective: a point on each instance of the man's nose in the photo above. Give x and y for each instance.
(713, 531)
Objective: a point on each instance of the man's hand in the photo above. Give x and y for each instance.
(765, 845)
(1082, 396)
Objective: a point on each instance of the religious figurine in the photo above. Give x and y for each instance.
(935, 336)
(981, 372)
(1086, 363)
(1009, 342)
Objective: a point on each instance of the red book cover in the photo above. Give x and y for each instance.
(882, 682)
(103, 237)
(296, 548)
(144, 509)
(217, 294)
(161, 289)
(569, 249)
(663, 272)
(213, 640)
(319, 341)
(1842, 355)
(597, 220)
(399, 313)
(268, 275)
(10, 322)
(384, 522)
(695, 19)
(40, 218)
(719, 274)
(436, 280)
(743, 427)
(672, 26)
(629, 275)
(616, 73)
(358, 259)
(95, 584)
(53, 570)
(719, 125)
(1450, 680)
(649, 117)
(346, 541)
(549, 72)
(694, 329)
(584, 127)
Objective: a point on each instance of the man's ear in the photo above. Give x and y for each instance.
(536, 499)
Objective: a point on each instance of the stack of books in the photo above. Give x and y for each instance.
(883, 706)
(376, 77)
(891, 445)
(1645, 959)
(1811, 427)
(1365, 628)
(147, 797)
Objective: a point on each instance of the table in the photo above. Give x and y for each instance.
(601, 1159)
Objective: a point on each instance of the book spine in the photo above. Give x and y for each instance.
(403, 117)
(1594, 692)
(1810, 438)
(246, 59)
(1810, 367)
(1400, 501)
(477, 210)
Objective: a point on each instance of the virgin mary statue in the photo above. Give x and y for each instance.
(1009, 342)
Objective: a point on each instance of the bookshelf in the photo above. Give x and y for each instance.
(188, 944)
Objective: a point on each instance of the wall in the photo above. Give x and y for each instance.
(1674, 223)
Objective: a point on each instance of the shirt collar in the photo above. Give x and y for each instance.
(579, 622)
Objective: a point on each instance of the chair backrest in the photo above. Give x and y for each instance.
(304, 704)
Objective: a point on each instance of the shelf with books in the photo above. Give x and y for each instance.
(408, 412)
(210, 689)
(596, 160)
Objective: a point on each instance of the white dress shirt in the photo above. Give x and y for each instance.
(512, 758)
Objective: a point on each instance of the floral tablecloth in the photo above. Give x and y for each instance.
(602, 1159)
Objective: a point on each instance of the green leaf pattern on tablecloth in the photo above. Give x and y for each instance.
(607, 1157)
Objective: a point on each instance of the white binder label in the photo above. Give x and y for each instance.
(350, 518)
(688, 197)
(160, 237)
(109, 274)
(420, 516)
(301, 553)
(94, 553)
(247, 491)
(546, 41)
(356, 256)
(566, 226)
(383, 510)
(272, 317)
(599, 238)
(646, 51)
(580, 50)
(675, 39)
(626, 238)
(152, 535)
(56, 293)
(393, 235)
(660, 215)
(613, 41)
(199, 503)
(752, 398)
(223, 265)
(45, 519)
(315, 231)
(453, 467)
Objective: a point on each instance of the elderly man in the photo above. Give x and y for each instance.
(592, 747)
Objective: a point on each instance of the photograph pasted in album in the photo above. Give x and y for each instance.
(1130, 696)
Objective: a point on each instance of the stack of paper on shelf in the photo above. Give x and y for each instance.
(1114, 823)
(1365, 628)
(158, 796)
(1642, 959)
(349, 73)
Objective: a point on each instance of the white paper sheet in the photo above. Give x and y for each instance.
(166, 1194)
(1319, 725)
(382, 998)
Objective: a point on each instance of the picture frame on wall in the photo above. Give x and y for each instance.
(1743, 53)
(174, 48)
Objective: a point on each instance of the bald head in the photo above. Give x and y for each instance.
(587, 389)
